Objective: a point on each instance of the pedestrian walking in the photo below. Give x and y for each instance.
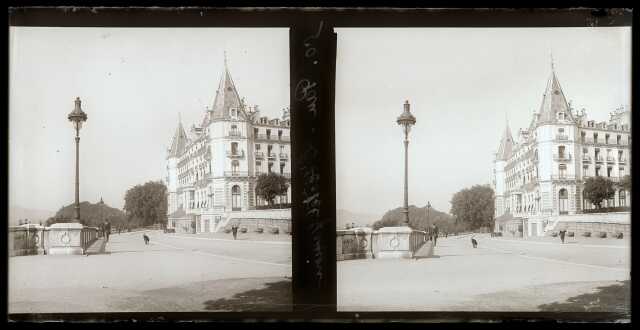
(435, 234)
(107, 230)
(234, 230)
(562, 232)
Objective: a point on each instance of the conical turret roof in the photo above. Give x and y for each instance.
(553, 102)
(227, 96)
(506, 145)
(179, 142)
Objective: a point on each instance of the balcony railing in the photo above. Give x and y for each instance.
(563, 178)
(611, 159)
(265, 137)
(563, 157)
(236, 173)
(622, 160)
(234, 134)
(284, 156)
(284, 138)
(236, 154)
(259, 155)
(272, 155)
(562, 137)
(586, 158)
(599, 159)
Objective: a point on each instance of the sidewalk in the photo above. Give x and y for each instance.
(570, 240)
(98, 247)
(249, 236)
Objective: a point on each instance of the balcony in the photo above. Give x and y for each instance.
(611, 159)
(599, 159)
(259, 155)
(586, 158)
(265, 137)
(284, 138)
(562, 137)
(622, 160)
(563, 178)
(234, 134)
(284, 156)
(235, 154)
(562, 158)
(271, 155)
(236, 173)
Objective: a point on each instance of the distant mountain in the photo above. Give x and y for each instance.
(418, 219)
(90, 214)
(17, 213)
(344, 217)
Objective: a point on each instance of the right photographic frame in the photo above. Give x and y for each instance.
(483, 169)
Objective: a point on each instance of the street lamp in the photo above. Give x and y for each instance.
(428, 211)
(77, 117)
(406, 120)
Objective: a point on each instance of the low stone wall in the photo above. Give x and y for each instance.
(268, 220)
(354, 244)
(594, 223)
(364, 243)
(26, 240)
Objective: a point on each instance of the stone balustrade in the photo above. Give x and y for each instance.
(365, 243)
(62, 238)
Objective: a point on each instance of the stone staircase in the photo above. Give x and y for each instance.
(98, 247)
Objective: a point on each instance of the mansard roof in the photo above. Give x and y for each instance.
(506, 145)
(179, 142)
(226, 98)
(554, 102)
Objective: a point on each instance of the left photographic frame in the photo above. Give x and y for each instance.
(172, 193)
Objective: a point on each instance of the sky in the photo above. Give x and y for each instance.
(133, 83)
(463, 84)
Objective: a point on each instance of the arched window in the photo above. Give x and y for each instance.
(563, 201)
(622, 198)
(234, 130)
(235, 198)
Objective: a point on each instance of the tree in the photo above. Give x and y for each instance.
(268, 186)
(597, 189)
(91, 215)
(625, 183)
(418, 219)
(146, 204)
(474, 207)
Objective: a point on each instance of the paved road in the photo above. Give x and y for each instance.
(173, 273)
(500, 275)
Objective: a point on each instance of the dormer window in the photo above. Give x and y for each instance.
(561, 115)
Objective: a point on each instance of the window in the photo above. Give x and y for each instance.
(606, 138)
(621, 172)
(597, 170)
(234, 130)
(622, 198)
(595, 137)
(282, 168)
(562, 169)
(618, 139)
(279, 134)
(258, 166)
(620, 156)
(583, 136)
(563, 201)
(235, 166)
(235, 198)
(270, 165)
(609, 171)
(560, 130)
(268, 134)
(561, 115)
(256, 131)
(234, 148)
(561, 151)
(257, 147)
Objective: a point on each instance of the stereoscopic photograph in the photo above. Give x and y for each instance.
(483, 169)
(149, 170)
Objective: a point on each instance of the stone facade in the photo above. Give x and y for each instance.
(541, 173)
(212, 170)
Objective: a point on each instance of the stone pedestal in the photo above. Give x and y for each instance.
(65, 239)
(394, 242)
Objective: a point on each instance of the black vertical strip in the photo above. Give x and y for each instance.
(312, 47)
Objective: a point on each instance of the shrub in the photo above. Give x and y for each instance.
(274, 230)
(587, 234)
(243, 229)
(618, 235)
(259, 230)
(602, 234)
(571, 234)
(554, 234)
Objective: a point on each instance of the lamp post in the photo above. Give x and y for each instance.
(428, 211)
(77, 117)
(406, 120)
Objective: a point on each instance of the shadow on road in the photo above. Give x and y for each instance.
(613, 298)
(276, 296)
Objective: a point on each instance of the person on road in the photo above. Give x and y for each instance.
(234, 230)
(562, 232)
(107, 230)
(435, 234)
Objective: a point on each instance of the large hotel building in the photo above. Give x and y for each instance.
(538, 177)
(211, 171)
